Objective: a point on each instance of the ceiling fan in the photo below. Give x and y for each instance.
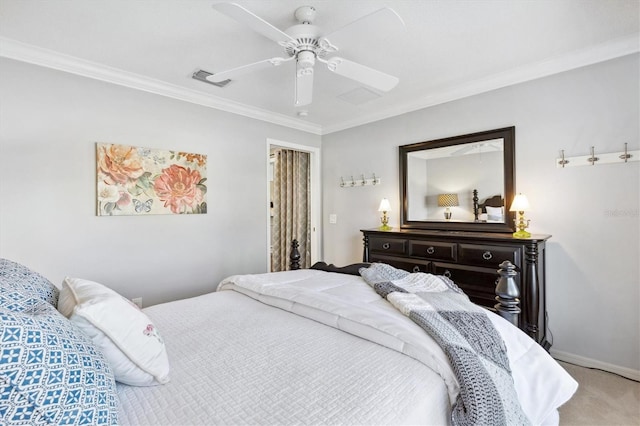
(478, 148)
(305, 43)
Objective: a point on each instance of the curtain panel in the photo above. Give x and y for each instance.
(291, 208)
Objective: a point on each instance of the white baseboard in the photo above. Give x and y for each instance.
(592, 363)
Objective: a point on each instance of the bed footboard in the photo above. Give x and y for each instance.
(507, 294)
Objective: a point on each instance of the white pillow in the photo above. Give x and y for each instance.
(126, 336)
(494, 213)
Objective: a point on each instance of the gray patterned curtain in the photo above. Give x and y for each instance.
(291, 206)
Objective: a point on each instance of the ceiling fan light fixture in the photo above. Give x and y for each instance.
(306, 59)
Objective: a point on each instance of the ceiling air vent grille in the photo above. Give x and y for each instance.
(201, 75)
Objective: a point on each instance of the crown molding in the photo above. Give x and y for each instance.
(24, 52)
(612, 49)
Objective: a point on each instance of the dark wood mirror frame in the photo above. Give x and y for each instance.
(508, 136)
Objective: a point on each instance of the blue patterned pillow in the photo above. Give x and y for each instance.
(51, 373)
(18, 301)
(14, 276)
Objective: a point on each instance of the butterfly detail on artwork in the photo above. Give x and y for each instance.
(142, 206)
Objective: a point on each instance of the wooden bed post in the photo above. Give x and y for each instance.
(294, 256)
(365, 254)
(507, 294)
(475, 204)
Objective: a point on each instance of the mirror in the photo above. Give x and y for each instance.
(463, 183)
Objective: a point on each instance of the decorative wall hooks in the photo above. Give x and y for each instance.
(363, 181)
(592, 159)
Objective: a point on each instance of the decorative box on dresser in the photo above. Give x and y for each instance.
(471, 260)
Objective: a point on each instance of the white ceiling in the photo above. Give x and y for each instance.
(449, 49)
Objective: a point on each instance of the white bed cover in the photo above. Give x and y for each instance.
(317, 376)
(349, 304)
(236, 361)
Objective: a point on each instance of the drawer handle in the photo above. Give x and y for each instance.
(416, 268)
(447, 273)
(431, 250)
(487, 255)
(386, 246)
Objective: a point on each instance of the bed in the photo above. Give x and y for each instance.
(490, 210)
(297, 347)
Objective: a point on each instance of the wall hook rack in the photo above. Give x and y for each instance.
(363, 181)
(592, 159)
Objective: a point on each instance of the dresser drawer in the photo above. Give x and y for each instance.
(477, 283)
(488, 255)
(388, 245)
(481, 279)
(403, 263)
(433, 250)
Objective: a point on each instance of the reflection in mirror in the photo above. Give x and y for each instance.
(441, 181)
(459, 183)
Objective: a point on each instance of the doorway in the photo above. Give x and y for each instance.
(293, 205)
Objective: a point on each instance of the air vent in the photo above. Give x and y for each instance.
(359, 96)
(201, 75)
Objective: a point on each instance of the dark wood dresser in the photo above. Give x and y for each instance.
(471, 260)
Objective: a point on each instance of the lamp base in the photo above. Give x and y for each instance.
(521, 234)
(385, 221)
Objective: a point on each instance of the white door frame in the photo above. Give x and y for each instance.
(314, 214)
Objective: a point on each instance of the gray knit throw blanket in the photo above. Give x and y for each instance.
(464, 331)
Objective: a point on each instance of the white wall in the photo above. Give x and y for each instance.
(49, 123)
(592, 212)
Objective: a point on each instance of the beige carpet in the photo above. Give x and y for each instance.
(602, 399)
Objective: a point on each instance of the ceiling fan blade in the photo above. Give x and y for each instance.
(362, 74)
(234, 72)
(257, 24)
(385, 18)
(464, 149)
(304, 84)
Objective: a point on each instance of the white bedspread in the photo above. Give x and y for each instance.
(236, 361)
(346, 357)
(349, 304)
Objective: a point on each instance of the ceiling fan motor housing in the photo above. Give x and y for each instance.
(305, 14)
(306, 38)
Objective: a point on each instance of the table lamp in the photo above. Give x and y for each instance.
(521, 204)
(385, 207)
(447, 200)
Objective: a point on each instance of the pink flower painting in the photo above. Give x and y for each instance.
(177, 187)
(119, 163)
(133, 181)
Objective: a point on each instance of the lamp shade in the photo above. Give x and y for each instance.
(385, 206)
(448, 200)
(520, 204)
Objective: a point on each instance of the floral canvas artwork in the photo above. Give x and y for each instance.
(134, 181)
